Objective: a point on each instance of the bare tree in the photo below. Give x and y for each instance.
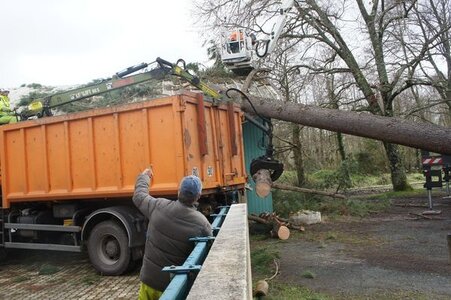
(361, 39)
(434, 20)
(291, 84)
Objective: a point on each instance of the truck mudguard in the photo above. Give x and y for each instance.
(132, 220)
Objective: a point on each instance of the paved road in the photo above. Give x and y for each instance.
(28, 274)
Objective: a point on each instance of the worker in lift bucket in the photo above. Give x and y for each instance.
(7, 115)
(235, 39)
(171, 225)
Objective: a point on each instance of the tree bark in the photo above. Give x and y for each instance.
(297, 152)
(341, 146)
(388, 129)
(397, 172)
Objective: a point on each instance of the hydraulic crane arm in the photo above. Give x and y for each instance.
(42, 107)
(183, 73)
(271, 43)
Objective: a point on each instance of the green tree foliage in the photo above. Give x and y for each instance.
(128, 94)
(27, 99)
(370, 158)
(116, 97)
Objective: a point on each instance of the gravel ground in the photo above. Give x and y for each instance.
(393, 255)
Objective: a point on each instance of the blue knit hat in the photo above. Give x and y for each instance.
(190, 186)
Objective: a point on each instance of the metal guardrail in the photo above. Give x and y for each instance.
(180, 284)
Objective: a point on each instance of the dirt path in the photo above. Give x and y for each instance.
(385, 256)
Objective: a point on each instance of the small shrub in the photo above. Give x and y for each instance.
(27, 99)
(372, 158)
(308, 274)
(337, 179)
(288, 177)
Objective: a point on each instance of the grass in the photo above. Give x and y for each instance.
(262, 260)
(22, 278)
(308, 274)
(279, 290)
(48, 270)
(400, 194)
(91, 279)
(392, 295)
(341, 237)
(322, 179)
(319, 179)
(286, 202)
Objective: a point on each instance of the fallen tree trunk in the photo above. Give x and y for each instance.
(304, 190)
(389, 129)
(257, 219)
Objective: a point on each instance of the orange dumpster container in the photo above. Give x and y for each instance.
(97, 154)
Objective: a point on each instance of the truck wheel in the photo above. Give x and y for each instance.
(108, 248)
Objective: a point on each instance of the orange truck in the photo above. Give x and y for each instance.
(65, 177)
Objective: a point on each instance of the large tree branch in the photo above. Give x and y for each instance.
(346, 54)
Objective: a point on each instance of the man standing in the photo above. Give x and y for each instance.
(6, 114)
(171, 224)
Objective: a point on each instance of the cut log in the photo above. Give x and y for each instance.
(280, 231)
(263, 183)
(261, 289)
(307, 191)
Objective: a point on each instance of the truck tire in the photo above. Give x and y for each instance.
(108, 248)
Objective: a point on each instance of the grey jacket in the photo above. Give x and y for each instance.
(171, 224)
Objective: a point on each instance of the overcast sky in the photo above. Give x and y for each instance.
(63, 42)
